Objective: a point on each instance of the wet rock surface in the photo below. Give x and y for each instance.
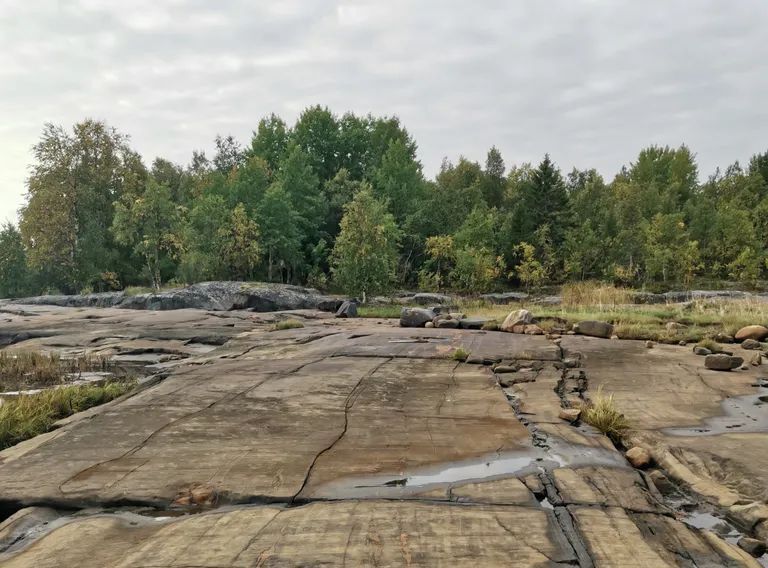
(360, 442)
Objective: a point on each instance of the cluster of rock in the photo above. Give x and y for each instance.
(750, 338)
(441, 317)
(215, 296)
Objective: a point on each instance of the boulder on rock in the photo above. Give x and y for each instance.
(722, 362)
(751, 344)
(594, 328)
(348, 309)
(446, 323)
(472, 323)
(416, 317)
(513, 322)
(533, 329)
(698, 350)
(638, 457)
(570, 414)
(756, 332)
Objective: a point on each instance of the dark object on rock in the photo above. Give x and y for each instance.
(504, 298)
(472, 323)
(753, 546)
(330, 305)
(751, 344)
(723, 338)
(722, 362)
(701, 351)
(756, 332)
(662, 483)
(594, 328)
(415, 317)
(347, 310)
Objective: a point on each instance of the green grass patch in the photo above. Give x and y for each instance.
(379, 311)
(287, 324)
(603, 414)
(27, 416)
(460, 354)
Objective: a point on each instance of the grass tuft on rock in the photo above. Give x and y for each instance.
(392, 311)
(711, 344)
(287, 324)
(20, 370)
(603, 414)
(491, 325)
(27, 416)
(460, 354)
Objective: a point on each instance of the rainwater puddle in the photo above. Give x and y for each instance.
(718, 525)
(745, 414)
(486, 468)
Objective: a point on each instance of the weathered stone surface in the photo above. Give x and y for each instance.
(756, 332)
(701, 351)
(416, 317)
(472, 323)
(347, 411)
(446, 323)
(594, 328)
(426, 298)
(374, 533)
(751, 344)
(638, 457)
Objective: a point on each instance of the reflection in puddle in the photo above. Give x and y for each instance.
(721, 527)
(747, 413)
(487, 468)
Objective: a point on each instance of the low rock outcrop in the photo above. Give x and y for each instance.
(215, 296)
(516, 321)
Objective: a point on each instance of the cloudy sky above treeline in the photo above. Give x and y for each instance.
(589, 81)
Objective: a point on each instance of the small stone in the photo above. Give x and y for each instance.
(649, 344)
(757, 359)
(499, 369)
(701, 351)
(569, 414)
(751, 344)
(756, 332)
(744, 367)
(447, 324)
(557, 341)
(682, 343)
(638, 457)
(614, 337)
(429, 324)
(516, 378)
(753, 546)
(570, 332)
(673, 326)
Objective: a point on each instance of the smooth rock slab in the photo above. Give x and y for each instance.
(373, 533)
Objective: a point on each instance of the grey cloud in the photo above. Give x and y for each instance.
(589, 81)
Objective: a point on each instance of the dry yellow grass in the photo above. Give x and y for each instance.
(603, 414)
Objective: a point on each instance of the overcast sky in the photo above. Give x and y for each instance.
(589, 81)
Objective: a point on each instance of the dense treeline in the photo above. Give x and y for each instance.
(341, 201)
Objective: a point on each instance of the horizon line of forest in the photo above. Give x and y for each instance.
(341, 202)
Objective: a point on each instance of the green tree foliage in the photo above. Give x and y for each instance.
(274, 211)
(280, 233)
(75, 179)
(14, 274)
(240, 248)
(149, 222)
(364, 257)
